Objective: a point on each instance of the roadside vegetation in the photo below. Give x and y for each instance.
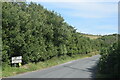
(109, 65)
(42, 38)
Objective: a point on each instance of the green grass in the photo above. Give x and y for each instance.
(10, 71)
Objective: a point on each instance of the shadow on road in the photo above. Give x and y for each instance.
(93, 70)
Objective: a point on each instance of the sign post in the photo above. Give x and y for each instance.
(16, 60)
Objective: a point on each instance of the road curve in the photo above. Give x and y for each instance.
(82, 68)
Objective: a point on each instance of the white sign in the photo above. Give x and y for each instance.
(17, 59)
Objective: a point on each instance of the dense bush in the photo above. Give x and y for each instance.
(109, 64)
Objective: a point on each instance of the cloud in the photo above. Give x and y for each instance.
(88, 10)
(102, 29)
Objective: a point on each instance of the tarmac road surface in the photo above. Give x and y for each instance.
(82, 68)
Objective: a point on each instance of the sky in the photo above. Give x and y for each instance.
(91, 17)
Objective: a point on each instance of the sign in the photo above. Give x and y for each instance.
(17, 59)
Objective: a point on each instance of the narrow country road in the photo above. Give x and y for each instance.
(82, 68)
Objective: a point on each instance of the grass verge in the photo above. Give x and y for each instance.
(10, 71)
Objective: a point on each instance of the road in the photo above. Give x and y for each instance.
(82, 68)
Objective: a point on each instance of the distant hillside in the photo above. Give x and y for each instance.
(109, 39)
(91, 36)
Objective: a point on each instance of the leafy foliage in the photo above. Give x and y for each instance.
(109, 63)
